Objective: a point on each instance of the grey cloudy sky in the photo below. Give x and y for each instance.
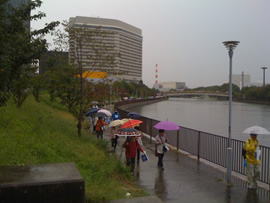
(184, 37)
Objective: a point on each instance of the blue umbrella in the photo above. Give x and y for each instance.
(133, 115)
(91, 111)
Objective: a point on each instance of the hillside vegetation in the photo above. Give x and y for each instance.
(44, 132)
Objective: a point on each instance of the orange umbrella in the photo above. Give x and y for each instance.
(131, 124)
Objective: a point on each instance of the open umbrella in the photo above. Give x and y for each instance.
(101, 114)
(91, 111)
(131, 124)
(167, 125)
(125, 120)
(108, 113)
(116, 123)
(256, 130)
(128, 132)
(133, 115)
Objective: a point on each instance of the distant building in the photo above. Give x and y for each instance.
(241, 80)
(53, 59)
(126, 39)
(17, 4)
(167, 86)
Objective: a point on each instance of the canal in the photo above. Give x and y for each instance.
(210, 115)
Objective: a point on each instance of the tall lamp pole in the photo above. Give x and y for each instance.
(110, 83)
(264, 75)
(230, 45)
(243, 79)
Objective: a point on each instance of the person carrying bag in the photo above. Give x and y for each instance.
(160, 147)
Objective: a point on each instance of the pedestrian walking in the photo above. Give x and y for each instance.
(113, 137)
(139, 140)
(100, 127)
(253, 161)
(95, 119)
(131, 146)
(115, 116)
(160, 147)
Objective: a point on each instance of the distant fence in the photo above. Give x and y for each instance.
(210, 147)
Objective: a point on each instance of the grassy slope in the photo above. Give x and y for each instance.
(39, 133)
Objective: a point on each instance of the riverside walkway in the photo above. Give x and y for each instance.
(186, 180)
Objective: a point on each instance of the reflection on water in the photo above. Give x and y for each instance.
(252, 196)
(161, 185)
(228, 194)
(209, 115)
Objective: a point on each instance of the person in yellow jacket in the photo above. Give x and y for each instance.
(253, 164)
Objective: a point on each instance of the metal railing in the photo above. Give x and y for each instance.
(210, 147)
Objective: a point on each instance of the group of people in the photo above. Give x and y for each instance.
(133, 144)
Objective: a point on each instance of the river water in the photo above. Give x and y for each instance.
(210, 115)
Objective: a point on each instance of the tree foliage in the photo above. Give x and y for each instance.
(133, 89)
(256, 93)
(222, 88)
(19, 48)
(88, 52)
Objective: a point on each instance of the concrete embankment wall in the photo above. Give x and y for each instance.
(133, 103)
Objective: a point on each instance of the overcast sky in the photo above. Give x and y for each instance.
(184, 37)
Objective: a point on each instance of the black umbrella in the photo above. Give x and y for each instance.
(101, 114)
(91, 111)
(133, 115)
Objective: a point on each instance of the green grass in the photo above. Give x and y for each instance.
(40, 133)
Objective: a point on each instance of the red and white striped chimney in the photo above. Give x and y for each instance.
(156, 82)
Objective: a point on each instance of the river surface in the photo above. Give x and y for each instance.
(210, 115)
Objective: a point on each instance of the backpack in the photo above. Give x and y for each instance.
(244, 152)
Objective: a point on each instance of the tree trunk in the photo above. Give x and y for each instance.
(79, 126)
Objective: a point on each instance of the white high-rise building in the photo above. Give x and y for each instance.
(126, 39)
(166, 86)
(241, 80)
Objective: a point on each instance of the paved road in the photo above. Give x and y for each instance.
(186, 180)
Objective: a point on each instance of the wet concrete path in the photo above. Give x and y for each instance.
(187, 180)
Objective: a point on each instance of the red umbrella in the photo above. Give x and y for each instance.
(131, 124)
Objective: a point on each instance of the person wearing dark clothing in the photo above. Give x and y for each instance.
(113, 137)
(131, 146)
(115, 116)
(161, 140)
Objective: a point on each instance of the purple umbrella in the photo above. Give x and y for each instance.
(167, 125)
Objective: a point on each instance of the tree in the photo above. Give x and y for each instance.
(88, 52)
(37, 84)
(20, 48)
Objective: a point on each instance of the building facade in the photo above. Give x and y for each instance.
(167, 86)
(241, 80)
(126, 40)
(17, 4)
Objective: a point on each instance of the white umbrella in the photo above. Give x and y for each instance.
(125, 120)
(256, 130)
(116, 123)
(108, 113)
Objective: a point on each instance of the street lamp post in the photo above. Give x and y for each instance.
(243, 79)
(230, 45)
(264, 75)
(110, 83)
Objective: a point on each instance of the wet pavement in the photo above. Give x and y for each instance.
(187, 180)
